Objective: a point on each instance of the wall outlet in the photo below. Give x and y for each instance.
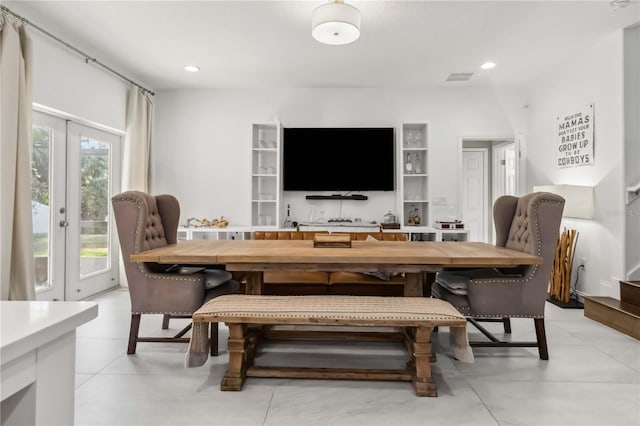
(583, 263)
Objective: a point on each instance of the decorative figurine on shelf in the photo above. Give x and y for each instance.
(414, 216)
(193, 219)
(410, 218)
(221, 223)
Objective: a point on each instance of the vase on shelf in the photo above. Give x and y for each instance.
(408, 165)
(417, 168)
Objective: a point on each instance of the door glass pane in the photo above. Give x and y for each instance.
(95, 163)
(40, 191)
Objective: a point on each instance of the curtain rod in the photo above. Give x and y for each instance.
(87, 58)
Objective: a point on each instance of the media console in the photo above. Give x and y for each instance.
(337, 197)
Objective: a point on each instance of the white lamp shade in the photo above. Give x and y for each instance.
(578, 200)
(335, 23)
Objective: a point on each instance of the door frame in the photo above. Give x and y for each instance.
(496, 148)
(517, 139)
(56, 264)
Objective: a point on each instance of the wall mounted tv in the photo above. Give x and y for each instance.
(338, 159)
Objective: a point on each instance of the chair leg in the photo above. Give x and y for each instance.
(165, 321)
(506, 321)
(541, 338)
(133, 333)
(213, 340)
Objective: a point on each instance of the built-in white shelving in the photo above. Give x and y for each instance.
(266, 188)
(413, 172)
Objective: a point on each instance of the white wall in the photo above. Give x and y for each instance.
(202, 139)
(593, 75)
(63, 81)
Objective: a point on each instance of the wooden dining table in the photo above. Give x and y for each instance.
(412, 258)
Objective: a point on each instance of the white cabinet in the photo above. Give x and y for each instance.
(205, 233)
(413, 172)
(37, 360)
(427, 233)
(454, 235)
(266, 189)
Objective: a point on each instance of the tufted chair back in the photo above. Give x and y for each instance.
(145, 222)
(531, 224)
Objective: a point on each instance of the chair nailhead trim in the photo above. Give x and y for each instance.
(136, 247)
(533, 269)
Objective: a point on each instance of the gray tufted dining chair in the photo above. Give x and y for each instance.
(530, 224)
(146, 222)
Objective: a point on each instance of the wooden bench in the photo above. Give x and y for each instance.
(249, 315)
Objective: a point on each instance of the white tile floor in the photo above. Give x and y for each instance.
(591, 378)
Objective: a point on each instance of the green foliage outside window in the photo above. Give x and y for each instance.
(94, 185)
(40, 165)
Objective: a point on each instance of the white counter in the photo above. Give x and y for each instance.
(37, 356)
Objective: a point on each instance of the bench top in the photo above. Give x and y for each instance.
(330, 310)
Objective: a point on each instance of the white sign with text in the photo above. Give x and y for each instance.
(575, 139)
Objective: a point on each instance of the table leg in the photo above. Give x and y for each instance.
(255, 281)
(414, 281)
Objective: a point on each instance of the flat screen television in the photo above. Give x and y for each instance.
(338, 159)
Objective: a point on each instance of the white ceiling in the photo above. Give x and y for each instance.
(269, 43)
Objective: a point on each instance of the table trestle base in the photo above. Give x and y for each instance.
(244, 341)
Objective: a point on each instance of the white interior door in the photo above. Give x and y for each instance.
(475, 193)
(75, 170)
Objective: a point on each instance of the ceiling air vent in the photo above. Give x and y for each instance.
(459, 76)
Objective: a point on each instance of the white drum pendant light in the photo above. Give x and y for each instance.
(335, 23)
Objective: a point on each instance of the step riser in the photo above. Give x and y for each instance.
(630, 293)
(615, 319)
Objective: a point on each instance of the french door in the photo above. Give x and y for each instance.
(75, 171)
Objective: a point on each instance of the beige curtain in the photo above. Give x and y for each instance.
(137, 142)
(17, 276)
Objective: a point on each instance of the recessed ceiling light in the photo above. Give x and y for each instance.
(191, 68)
(488, 65)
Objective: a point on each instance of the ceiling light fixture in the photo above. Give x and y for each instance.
(191, 68)
(488, 65)
(335, 23)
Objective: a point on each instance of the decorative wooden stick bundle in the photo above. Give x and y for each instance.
(560, 285)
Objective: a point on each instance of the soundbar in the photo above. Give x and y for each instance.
(337, 197)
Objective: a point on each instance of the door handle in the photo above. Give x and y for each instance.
(64, 224)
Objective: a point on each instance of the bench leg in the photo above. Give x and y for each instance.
(420, 364)
(236, 374)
